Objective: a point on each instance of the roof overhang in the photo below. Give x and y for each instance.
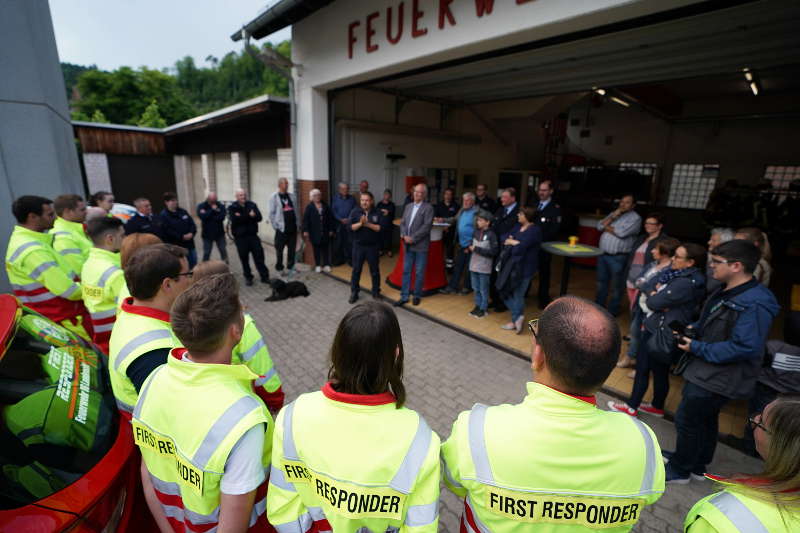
(256, 105)
(278, 16)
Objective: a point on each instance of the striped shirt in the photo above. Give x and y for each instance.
(626, 228)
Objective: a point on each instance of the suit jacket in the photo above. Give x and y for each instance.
(420, 229)
(549, 220)
(504, 223)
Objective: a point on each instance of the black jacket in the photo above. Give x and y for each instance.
(487, 204)
(549, 220)
(175, 225)
(242, 224)
(647, 253)
(680, 300)
(212, 220)
(318, 227)
(141, 224)
(386, 220)
(503, 224)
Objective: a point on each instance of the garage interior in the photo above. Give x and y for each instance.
(676, 110)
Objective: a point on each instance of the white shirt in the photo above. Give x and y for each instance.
(510, 207)
(414, 208)
(243, 469)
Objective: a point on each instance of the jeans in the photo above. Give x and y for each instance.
(419, 260)
(611, 272)
(462, 262)
(369, 254)
(191, 257)
(251, 244)
(480, 283)
(516, 302)
(208, 245)
(636, 332)
(322, 253)
(289, 241)
(644, 365)
(342, 247)
(697, 425)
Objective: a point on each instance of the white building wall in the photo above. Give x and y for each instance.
(263, 182)
(224, 174)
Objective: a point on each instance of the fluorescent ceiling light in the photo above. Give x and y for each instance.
(754, 88)
(620, 101)
(601, 92)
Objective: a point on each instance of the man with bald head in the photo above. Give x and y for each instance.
(555, 459)
(245, 216)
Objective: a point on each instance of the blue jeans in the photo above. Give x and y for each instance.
(611, 272)
(636, 330)
(419, 261)
(697, 423)
(208, 245)
(191, 257)
(480, 284)
(462, 262)
(516, 302)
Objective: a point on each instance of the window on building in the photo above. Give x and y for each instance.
(645, 169)
(692, 184)
(781, 177)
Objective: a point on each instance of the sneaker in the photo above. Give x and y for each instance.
(622, 408)
(474, 310)
(509, 327)
(317, 269)
(326, 268)
(353, 298)
(249, 282)
(697, 474)
(446, 290)
(518, 324)
(479, 313)
(674, 478)
(650, 410)
(466, 291)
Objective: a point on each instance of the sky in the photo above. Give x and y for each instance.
(152, 33)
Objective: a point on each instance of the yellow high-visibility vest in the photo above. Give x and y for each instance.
(187, 420)
(71, 243)
(343, 462)
(102, 279)
(137, 330)
(737, 510)
(553, 462)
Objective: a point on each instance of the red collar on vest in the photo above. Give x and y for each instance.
(358, 399)
(128, 307)
(588, 399)
(177, 353)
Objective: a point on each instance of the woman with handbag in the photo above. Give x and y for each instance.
(675, 297)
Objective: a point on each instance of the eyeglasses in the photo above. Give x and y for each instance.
(681, 257)
(719, 261)
(652, 223)
(755, 422)
(533, 325)
(188, 274)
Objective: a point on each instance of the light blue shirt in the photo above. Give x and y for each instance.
(414, 209)
(466, 226)
(544, 204)
(511, 208)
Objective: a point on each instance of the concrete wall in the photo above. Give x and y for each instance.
(37, 150)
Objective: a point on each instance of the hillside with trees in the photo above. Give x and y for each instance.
(148, 97)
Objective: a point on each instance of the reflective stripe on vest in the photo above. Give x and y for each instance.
(483, 468)
(66, 251)
(246, 356)
(266, 377)
(737, 512)
(100, 315)
(21, 249)
(403, 480)
(27, 286)
(107, 274)
(140, 340)
(36, 272)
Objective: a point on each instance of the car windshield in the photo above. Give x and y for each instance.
(57, 413)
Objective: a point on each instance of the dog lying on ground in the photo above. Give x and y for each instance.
(283, 291)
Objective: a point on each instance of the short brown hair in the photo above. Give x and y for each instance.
(209, 268)
(170, 196)
(529, 213)
(66, 201)
(667, 246)
(97, 228)
(133, 242)
(151, 265)
(364, 357)
(202, 313)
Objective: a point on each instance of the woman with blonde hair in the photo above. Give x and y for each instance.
(764, 502)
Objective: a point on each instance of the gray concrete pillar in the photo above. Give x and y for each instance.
(240, 171)
(209, 172)
(183, 182)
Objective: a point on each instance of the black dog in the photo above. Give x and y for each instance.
(283, 291)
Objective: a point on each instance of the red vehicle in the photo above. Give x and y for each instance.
(73, 469)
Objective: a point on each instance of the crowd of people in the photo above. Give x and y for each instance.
(352, 456)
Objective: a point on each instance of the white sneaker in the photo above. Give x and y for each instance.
(318, 269)
(326, 268)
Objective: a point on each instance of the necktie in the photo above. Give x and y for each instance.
(541, 206)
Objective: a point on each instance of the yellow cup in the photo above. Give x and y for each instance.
(573, 240)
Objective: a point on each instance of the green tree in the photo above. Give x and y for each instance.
(98, 116)
(151, 118)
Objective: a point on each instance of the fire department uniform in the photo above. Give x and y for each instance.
(253, 352)
(137, 331)
(102, 279)
(554, 462)
(347, 462)
(71, 242)
(737, 510)
(42, 280)
(187, 421)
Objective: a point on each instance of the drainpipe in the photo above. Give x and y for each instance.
(283, 67)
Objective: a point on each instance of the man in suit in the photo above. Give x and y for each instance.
(548, 218)
(415, 235)
(482, 199)
(505, 218)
